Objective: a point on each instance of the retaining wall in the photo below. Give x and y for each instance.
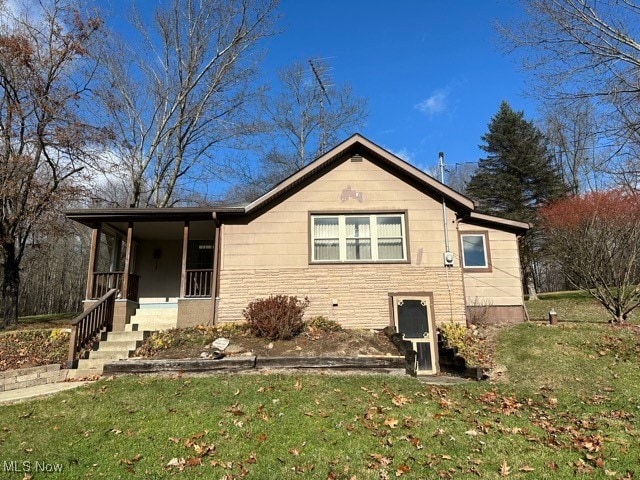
(30, 377)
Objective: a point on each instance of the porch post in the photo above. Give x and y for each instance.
(93, 259)
(127, 262)
(185, 245)
(215, 275)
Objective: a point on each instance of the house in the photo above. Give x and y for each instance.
(371, 240)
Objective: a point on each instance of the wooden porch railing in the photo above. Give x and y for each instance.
(105, 281)
(198, 283)
(89, 324)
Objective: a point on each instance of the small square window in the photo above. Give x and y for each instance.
(474, 251)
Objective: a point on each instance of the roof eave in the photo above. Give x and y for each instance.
(514, 226)
(339, 150)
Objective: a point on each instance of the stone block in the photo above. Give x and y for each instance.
(27, 378)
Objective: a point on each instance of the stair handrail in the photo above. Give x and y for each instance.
(90, 323)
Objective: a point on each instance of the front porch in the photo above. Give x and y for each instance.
(153, 261)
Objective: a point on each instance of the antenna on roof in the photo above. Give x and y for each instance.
(321, 120)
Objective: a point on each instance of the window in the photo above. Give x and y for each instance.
(475, 252)
(358, 238)
(200, 255)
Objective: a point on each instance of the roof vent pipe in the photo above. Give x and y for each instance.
(447, 254)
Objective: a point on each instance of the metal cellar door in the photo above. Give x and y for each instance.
(413, 321)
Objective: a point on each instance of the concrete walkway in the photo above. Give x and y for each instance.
(442, 380)
(22, 394)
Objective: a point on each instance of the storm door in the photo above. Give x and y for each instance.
(414, 321)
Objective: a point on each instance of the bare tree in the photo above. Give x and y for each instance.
(460, 174)
(596, 239)
(304, 116)
(181, 91)
(589, 49)
(44, 143)
(54, 270)
(571, 129)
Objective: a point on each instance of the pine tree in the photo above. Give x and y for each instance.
(516, 178)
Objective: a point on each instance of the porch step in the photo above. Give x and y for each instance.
(108, 354)
(153, 326)
(116, 345)
(113, 346)
(154, 317)
(77, 373)
(130, 336)
(93, 364)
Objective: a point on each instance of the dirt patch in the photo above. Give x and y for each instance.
(32, 348)
(195, 342)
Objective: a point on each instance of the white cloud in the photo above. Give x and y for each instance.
(404, 154)
(436, 103)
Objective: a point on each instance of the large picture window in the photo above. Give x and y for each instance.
(358, 238)
(475, 251)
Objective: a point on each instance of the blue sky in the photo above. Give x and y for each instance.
(432, 71)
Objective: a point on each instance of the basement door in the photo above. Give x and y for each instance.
(413, 319)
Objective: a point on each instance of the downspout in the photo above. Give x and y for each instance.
(215, 276)
(444, 207)
(447, 256)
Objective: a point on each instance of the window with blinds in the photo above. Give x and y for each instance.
(353, 238)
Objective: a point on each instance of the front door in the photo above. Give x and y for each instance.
(413, 319)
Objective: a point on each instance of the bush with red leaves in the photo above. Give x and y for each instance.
(278, 317)
(596, 239)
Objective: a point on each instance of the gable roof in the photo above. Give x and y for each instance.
(354, 145)
(357, 144)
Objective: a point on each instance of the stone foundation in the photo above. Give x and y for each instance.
(195, 311)
(496, 314)
(356, 296)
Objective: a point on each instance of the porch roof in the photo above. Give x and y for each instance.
(93, 216)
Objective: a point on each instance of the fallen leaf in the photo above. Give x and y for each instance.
(504, 469)
(526, 468)
(399, 400)
(391, 422)
(193, 461)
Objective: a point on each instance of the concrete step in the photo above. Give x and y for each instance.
(116, 345)
(94, 364)
(152, 312)
(166, 319)
(82, 373)
(133, 336)
(149, 326)
(108, 355)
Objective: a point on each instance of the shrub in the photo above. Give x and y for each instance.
(323, 324)
(454, 336)
(278, 317)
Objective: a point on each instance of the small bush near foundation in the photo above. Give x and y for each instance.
(322, 324)
(278, 317)
(455, 335)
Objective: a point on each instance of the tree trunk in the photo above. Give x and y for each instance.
(531, 286)
(10, 285)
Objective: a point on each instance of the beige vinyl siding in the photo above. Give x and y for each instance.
(280, 236)
(501, 286)
(271, 253)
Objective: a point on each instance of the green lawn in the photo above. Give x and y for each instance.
(568, 407)
(571, 306)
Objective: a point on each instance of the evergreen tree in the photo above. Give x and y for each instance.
(515, 179)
